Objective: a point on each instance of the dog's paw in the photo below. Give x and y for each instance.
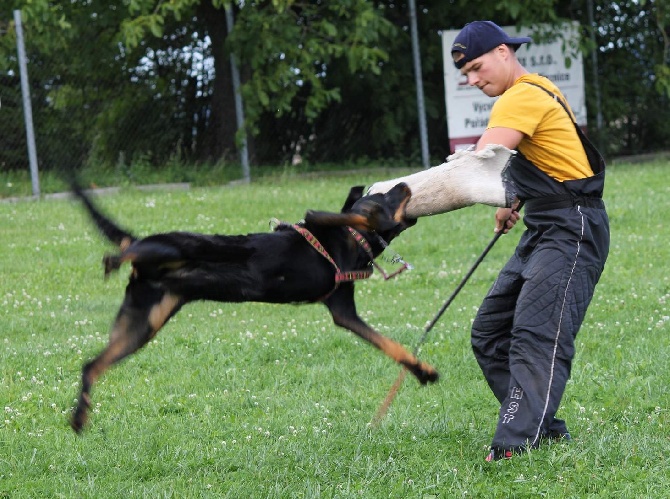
(111, 263)
(425, 373)
(430, 377)
(78, 418)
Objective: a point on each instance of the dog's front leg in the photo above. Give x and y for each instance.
(343, 309)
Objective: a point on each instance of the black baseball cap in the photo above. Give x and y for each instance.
(479, 37)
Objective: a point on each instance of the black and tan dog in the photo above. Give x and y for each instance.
(302, 263)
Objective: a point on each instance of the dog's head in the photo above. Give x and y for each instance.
(383, 213)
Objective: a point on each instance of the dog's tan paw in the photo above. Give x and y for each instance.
(430, 376)
(424, 373)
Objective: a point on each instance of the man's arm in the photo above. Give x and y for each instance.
(507, 137)
(505, 218)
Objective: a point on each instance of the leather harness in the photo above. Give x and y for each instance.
(347, 275)
(340, 276)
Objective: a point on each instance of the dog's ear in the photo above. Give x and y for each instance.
(355, 193)
(378, 212)
(397, 198)
(361, 213)
(368, 213)
(345, 217)
(327, 218)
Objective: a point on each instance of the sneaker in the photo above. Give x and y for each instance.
(557, 431)
(498, 454)
(557, 436)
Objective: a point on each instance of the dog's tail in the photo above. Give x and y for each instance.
(113, 232)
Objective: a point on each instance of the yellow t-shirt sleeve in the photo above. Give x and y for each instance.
(550, 141)
(517, 109)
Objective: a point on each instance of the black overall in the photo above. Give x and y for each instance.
(523, 334)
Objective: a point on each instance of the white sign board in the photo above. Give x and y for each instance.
(468, 108)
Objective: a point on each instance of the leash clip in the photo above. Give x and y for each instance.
(395, 259)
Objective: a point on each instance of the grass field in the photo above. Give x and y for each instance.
(268, 401)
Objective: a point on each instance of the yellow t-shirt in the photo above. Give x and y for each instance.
(550, 141)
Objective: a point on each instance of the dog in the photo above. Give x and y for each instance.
(312, 261)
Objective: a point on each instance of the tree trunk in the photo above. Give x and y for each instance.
(218, 142)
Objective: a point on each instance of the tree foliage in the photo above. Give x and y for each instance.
(151, 79)
(631, 40)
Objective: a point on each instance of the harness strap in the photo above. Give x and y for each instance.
(351, 275)
(366, 246)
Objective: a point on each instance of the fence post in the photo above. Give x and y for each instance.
(418, 81)
(27, 108)
(239, 111)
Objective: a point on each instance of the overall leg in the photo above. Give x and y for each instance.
(491, 329)
(552, 304)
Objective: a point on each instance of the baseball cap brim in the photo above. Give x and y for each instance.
(479, 37)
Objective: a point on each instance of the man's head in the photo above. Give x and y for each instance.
(479, 37)
(486, 55)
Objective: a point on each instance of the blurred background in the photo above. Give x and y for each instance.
(114, 84)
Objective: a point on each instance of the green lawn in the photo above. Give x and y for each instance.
(257, 400)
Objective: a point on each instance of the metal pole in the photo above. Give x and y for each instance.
(596, 82)
(239, 111)
(421, 108)
(27, 108)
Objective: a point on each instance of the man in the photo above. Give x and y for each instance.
(523, 334)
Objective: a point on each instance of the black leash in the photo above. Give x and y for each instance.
(383, 408)
(462, 284)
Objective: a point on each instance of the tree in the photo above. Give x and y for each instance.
(133, 63)
(286, 49)
(634, 79)
(150, 80)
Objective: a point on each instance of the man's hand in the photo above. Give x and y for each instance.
(506, 218)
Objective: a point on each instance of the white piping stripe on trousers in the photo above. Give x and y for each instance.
(558, 332)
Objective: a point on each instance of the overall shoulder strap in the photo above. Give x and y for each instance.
(555, 97)
(596, 160)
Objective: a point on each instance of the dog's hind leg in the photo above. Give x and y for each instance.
(144, 311)
(343, 309)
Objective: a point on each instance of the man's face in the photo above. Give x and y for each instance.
(487, 72)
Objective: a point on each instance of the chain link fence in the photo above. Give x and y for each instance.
(60, 129)
(14, 151)
(93, 107)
